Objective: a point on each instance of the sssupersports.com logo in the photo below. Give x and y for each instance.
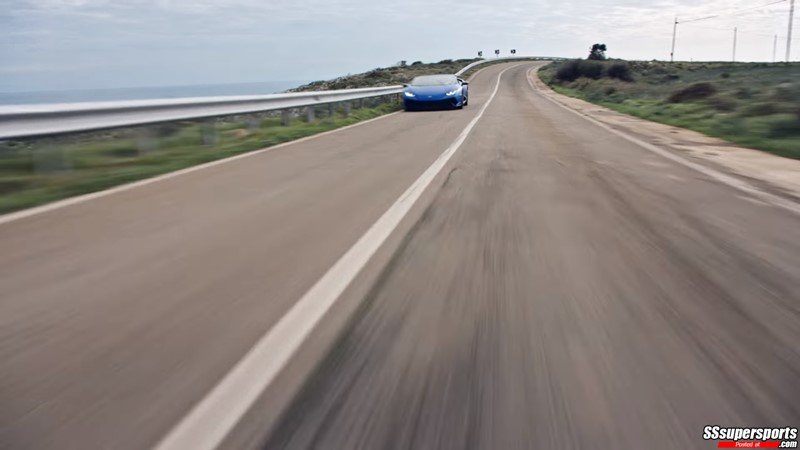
(756, 437)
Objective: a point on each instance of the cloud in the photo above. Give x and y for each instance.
(131, 42)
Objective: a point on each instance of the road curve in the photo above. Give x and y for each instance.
(119, 313)
(566, 289)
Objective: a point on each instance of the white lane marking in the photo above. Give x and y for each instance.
(711, 173)
(209, 422)
(10, 217)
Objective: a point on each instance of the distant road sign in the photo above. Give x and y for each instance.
(497, 52)
(513, 51)
(480, 54)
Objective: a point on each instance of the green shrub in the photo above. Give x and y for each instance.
(568, 71)
(731, 125)
(572, 70)
(590, 69)
(620, 71)
(759, 109)
(744, 93)
(787, 91)
(722, 103)
(581, 83)
(783, 126)
(694, 91)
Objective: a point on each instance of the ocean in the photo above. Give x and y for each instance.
(143, 93)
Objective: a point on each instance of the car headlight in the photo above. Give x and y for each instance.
(409, 94)
(453, 92)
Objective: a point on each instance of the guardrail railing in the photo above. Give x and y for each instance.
(38, 120)
(21, 121)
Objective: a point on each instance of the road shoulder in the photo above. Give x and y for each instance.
(769, 172)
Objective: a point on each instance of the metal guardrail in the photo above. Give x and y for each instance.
(19, 121)
(38, 120)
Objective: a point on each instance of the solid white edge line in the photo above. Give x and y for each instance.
(209, 422)
(711, 173)
(58, 204)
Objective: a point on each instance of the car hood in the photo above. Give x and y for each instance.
(432, 90)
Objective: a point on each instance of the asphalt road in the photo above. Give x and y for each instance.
(119, 313)
(567, 289)
(564, 289)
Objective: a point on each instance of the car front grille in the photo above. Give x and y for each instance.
(433, 104)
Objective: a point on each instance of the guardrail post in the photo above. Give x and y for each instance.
(331, 111)
(146, 140)
(286, 117)
(347, 107)
(253, 123)
(209, 131)
(310, 114)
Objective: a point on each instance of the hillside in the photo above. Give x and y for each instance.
(386, 76)
(752, 104)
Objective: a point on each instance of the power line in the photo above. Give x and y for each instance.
(732, 13)
(735, 12)
(748, 32)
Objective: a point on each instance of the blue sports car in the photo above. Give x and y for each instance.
(435, 92)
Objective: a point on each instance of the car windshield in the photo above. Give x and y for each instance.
(434, 80)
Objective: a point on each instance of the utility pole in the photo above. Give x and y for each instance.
(674, 31)
(775, 49)
(789, 36)
(734, 44)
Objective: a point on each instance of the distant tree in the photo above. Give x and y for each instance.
(598, 52)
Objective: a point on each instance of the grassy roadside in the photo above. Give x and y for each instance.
(755, 105)
(38, 171)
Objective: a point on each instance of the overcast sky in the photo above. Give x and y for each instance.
(77, 44)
